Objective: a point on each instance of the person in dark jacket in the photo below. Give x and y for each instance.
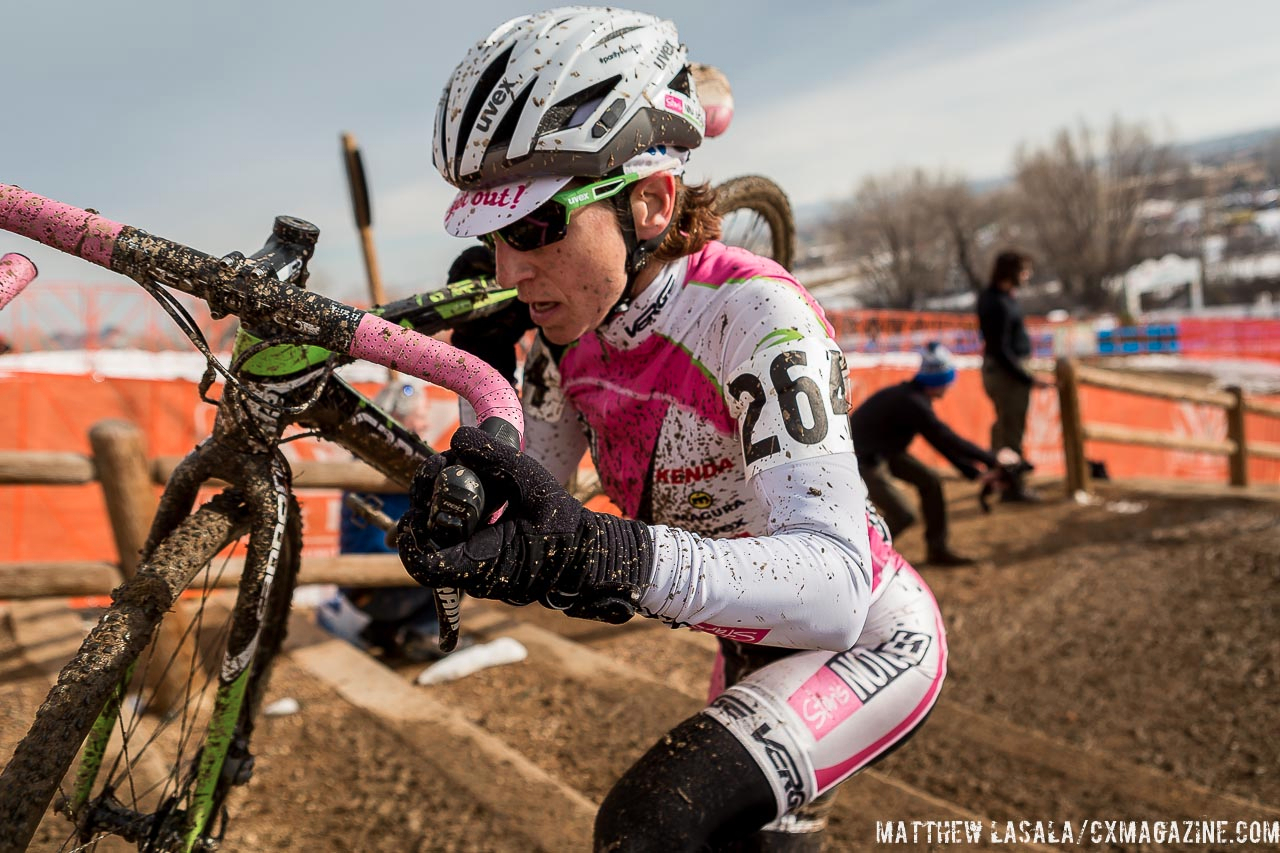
(883, 428)
(1006, 347)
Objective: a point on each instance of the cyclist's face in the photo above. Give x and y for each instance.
(571, 284)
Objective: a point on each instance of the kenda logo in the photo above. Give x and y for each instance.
(692, 474)
(505, 90)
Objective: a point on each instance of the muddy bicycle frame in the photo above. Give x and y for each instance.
(281, 375)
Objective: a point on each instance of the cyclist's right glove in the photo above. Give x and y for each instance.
(546, 547)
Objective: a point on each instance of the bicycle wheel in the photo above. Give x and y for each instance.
(138, 776)
(756, 215)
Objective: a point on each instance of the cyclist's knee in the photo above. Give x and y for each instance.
(696, 783)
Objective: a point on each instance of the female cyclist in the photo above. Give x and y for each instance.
(708, 388)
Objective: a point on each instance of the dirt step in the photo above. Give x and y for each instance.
(584, 715)
(521, 807)
(1056, 779)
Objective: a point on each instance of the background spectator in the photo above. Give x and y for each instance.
(1006, 347)
(885, 425)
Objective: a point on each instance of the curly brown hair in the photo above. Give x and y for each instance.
(694, 223)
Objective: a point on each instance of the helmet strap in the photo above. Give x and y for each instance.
(638, 253)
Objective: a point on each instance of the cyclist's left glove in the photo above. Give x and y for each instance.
(546, 547)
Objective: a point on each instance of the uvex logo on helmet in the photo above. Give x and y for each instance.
(505, 90)
(665, 53)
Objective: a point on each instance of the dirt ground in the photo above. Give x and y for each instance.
(1112, 661)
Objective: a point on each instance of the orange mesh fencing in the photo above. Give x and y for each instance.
(55, 412)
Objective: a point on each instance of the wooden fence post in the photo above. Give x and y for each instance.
(1077, 470)
(119, 452)
(1239, 460)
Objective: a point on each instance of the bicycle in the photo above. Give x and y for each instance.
(281, 373)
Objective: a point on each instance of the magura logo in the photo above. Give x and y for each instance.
(701, 500)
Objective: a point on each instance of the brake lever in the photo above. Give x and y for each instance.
(457, 502)
(457, 508)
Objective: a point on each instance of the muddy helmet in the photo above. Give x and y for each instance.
(573, 92)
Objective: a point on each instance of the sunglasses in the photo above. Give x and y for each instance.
(549, 223)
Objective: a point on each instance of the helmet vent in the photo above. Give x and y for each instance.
(569, 113)
(681, 82)
(615, 34)
(483, 90)
(506, 129)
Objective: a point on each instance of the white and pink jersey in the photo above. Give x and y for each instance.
(715, 408)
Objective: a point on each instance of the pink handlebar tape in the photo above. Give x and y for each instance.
(16, 272)
(398, 348)
(61, 226)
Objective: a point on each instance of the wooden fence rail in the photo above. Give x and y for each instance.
(119, 463)
(1076, 431)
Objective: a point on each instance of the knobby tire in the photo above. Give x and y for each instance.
(766, 200)
(108, 655)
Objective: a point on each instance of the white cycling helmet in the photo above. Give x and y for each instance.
(569, 92)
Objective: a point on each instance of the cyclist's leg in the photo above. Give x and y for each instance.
(933, 502)
(696, 783)
(894, 507)
(784, 736)
(832, 715)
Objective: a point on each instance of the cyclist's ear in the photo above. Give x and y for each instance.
(653, 203)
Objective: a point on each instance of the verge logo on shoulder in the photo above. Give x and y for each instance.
(649, 313)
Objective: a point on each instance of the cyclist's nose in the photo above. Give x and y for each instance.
(513, 268)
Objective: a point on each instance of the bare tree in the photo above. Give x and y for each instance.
(913, 236)
(1082, 205)
(1271, 158)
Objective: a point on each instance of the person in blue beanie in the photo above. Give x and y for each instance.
(883, 428)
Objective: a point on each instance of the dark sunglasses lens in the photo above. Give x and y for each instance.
(542, 227)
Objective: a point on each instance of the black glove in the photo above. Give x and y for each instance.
(546, 547)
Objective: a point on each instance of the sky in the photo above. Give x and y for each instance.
(202, 122)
